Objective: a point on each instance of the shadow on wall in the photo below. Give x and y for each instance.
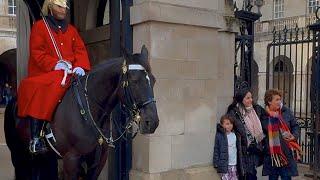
(255, 80)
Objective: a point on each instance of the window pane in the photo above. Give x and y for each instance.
(278, 8)
(10, 10)
(10, 3)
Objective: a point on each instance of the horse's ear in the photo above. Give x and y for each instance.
(144, 53)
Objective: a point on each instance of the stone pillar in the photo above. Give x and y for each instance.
(191, 51)
(23, 33)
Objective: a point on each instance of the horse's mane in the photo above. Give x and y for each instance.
(105, 64)
(131, 59)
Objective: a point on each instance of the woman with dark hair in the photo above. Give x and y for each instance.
(281, 146)
(247, 118)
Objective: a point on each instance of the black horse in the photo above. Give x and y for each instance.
(82, 119)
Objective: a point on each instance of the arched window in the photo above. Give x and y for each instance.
(283, 78)
(279, 67)
(12, 5)
(103, 12)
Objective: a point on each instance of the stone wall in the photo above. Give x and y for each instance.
(192, 58)
(7, 43)
(7, 29)
(3, 7)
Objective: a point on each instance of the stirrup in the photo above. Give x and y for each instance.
(37, 146)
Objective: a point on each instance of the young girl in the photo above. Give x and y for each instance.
(225, 156)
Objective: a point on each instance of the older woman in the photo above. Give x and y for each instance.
(281, 145)
(247, 123)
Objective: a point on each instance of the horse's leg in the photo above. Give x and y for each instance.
(20, 156)
(48, 166)
(94, 172)
(71, 166)
(22, 165)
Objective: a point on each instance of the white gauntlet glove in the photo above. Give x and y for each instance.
(63, 65)
(78, 71)
(66, 67)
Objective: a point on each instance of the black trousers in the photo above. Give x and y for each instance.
(35, 127)
(250, 176)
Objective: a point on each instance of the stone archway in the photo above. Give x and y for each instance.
(8, 72)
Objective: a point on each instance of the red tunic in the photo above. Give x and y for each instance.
(40, 92)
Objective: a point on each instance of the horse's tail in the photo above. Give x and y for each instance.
(19, 155)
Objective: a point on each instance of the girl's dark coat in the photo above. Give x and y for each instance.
(220, 155)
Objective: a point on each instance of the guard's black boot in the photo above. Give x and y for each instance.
(37, 143)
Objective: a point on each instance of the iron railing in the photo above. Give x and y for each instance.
(288, 68)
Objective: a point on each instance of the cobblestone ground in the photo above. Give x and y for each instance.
(6, 168)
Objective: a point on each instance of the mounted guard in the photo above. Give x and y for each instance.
(56, 52)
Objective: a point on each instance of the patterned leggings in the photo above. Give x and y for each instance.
(231, 174)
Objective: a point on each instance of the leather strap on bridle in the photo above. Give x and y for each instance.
(129, 103)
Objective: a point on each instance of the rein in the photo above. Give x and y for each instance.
(130, 104)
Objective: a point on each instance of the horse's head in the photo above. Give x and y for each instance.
(138, 94)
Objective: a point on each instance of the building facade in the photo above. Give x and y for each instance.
(7, 42)
(7, 25)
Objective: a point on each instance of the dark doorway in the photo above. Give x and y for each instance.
(8, 73)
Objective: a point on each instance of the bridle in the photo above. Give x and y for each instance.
(129, 102)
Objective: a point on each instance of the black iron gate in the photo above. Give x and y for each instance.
(293, 66)
(288, 68)
(244, 45)
(315, 94)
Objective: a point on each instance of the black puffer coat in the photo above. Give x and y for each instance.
(220, 154)
(251, 157)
